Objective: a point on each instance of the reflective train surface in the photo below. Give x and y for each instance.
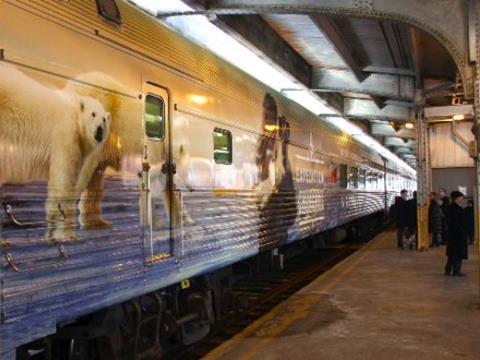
(136, 168)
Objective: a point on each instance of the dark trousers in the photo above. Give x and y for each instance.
(444, 232)
(400, 233)
(454, 265)
(471, 239)
(436, 238)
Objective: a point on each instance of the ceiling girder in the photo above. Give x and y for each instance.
(448, 111)
(451, 31)
(262, 38)
(343, 48)
(257, 34)
(381, 85)
(388, 70)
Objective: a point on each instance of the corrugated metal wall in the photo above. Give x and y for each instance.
(445, 150)
(452, 168)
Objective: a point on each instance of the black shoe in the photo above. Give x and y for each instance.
(448, 271)
(459, 274)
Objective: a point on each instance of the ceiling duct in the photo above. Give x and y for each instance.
(403, 150)
(394, 141)
(382, 129)
(412, 144)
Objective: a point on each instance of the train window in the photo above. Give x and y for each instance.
(109, 10)
(361, 179)
(222, 146)
(343, 176)
(353, 178)
(374, 181)
(368, 180)
(154, 117)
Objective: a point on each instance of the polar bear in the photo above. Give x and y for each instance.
(126, 140)
(50, 134)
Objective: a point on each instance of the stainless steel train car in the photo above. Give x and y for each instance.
(132, 160)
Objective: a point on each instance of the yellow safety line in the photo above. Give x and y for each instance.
(300, 311)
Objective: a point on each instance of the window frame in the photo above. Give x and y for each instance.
(103, 12)
(229, 135)
(151, 138)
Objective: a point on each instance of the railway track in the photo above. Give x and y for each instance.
(263, 291)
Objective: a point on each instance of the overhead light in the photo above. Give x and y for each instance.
(458, 117)
(409, 125)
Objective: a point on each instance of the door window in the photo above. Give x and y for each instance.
(154, 117)
(222, 146)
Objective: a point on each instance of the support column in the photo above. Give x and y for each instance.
(477, 129)
(422, 174)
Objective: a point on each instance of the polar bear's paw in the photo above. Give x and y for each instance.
(97, 223)
(58, 236)
(187, 220)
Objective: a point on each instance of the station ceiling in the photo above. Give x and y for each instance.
(368, 69)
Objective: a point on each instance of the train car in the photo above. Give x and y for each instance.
(132, 161)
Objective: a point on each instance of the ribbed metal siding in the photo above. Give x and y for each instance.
(100, 259)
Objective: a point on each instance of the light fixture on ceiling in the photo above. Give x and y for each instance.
(458, 117)
(409, 125)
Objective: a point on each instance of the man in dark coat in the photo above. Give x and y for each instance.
(470, 216)
(445, 203)
(401, 215)
(412, 215)
(435, 218)
(457, 246)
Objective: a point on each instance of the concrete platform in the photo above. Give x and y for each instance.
(380, 303)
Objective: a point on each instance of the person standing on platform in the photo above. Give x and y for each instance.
(470, 217)
(457, 246)
(435, 218)
(412, 215)
(445, 203)
(401, 216)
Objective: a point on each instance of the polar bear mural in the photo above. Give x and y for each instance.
(126, 140)
(51, 134)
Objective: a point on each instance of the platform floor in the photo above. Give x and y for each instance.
(380, 303)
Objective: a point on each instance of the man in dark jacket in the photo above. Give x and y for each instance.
(470, 216)
(435, 218)
(412, 215)
(444, 207)
(401, 215)
(457, 246)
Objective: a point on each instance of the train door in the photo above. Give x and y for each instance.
(156, 175)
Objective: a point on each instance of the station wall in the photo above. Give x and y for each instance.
(452, 168)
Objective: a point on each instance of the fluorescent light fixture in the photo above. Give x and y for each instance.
(199, 29)
(409, 125)
(458, 117)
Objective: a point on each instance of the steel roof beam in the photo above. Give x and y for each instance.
(345, 50)
(382, 85)
(257, 34)
(388, 70)
(451, 31)
(262, 38)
